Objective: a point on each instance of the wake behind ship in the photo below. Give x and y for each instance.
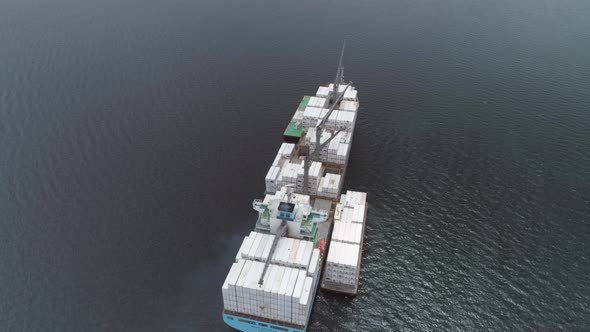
(307, 233)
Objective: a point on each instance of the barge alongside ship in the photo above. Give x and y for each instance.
(305, 224)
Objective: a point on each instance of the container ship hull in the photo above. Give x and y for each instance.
(245, 323)
(308, 234)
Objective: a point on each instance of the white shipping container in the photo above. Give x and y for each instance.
(350, 94)
(347, 214)
(289, 294)
(268, 246)
(282, 292)
(268, 283)
(347, 232)
(358, 215)
(287, 149)
(298, 312)
(293, 253)
(323, 92)
(279, 251)
(244, 248)
(306, 257)
(229, 297)
(261, 246)
(276, 162)
(314, 263)
(349, 105)
(297, 117)
(299, 257)
(255, 245)
(317, 102)
(241, 296)
(305, 299)
(275, 292)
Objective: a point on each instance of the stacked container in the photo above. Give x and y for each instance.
(284, 295)
(301, 300)
(271, 178)
(342, 263)
(334, 152)
(313, 177)
(341, 120)
(353, 198)
(297, 117)
(311, 116)
(228, 290)
(256, 246)
(293, 253)
(317, 102)
(288, 174)
(287, 150)
(347, 232)
(349, 105)
(313, 269)
(350, 94)
(329, 185)
(323, 92)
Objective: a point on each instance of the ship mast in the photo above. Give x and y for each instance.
(339, 79)
(334, 98)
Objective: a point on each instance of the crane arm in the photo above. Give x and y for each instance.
(323, 121)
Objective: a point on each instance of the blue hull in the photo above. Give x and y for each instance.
(247, 324)
(251, 325)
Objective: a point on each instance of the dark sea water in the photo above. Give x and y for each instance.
(135, 134)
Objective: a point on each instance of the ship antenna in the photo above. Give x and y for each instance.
(339, 79)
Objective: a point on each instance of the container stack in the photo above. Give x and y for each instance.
(287, 150)
(310, 139)
(337, 120)
(302, 300)
(349, 106)
(317, 102)
(284, 295)
(288, 174)
(297, 117)
(342, 263)
(271, 178)
(336, 151)
(323, 92)
(313, 177)
(329, 185)
(350, 94)
(314, 264)
(247, 285)
(347, 232)
(353, 198)
(256, 246)
(311, 116)
(341, 120)
(293, 253)
(228, 290)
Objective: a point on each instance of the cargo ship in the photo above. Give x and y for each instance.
(308, 235)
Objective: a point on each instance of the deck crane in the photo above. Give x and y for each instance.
(335, 98)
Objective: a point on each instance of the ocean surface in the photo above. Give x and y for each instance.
(135, 134)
